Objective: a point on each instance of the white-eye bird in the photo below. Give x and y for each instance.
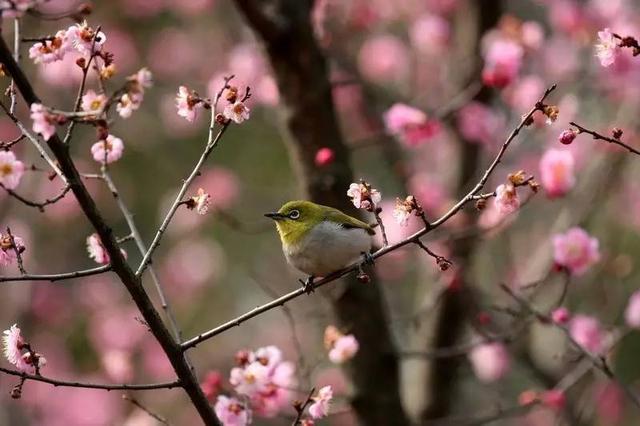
(318, 240)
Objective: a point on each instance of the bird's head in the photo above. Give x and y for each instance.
(295, 219)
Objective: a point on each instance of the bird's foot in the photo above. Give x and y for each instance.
(368, 259)
(307, 285)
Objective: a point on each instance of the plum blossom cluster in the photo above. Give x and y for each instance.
(79, 38)
(575, 250)
(10, 247)
(363, 196)
(11, 170)
(19, 353)
(341, 347)
(44, 122)
(319, 407)
(134, 92)
(610, 44)
(410, 125)
(189, 102)
(264, 379)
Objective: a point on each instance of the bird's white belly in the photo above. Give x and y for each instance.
(327, 248)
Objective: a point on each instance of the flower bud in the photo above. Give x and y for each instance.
(617, 133)
(567, 136)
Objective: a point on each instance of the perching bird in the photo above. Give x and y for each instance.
(318, 240)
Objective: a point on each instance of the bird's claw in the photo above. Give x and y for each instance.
(307, 285)
(368, 259)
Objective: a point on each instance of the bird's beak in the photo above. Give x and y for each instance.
(275, 216)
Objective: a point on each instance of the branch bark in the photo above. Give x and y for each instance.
(301, 72)
(132, 282)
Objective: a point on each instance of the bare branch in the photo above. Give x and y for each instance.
(598, 136)
(59, 277)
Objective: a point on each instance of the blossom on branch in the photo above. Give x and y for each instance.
(341, 347)
(93, 102)
(232, 412)
(187, 102)
(43, 122)
(575, 250)
(97, 251)
(236, 112)
(85, 39)
(19, 353)
(107, 150)
(265, 379)
(507, 200)
(199, 202)
(11, 170)
(607, 47)
(363, 196)
(132, 99)
(320, 406)
(50, 50)
(9, 244)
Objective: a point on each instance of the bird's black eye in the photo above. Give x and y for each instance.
(294, 214)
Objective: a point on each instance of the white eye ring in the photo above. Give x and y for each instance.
(294, 214)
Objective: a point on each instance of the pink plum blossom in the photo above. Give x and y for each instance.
(11, 170)
(503, 59)
(12, 344)
(110, 149)
(383, 59)
(84, 39)
(344, 348)
(607, 47)
(8, 253)
(363, 197)
(632, 313)
(231, 411)
(43, 122)
(506, 199)
(557, 172)
(430, 33)
(490, 361)
(560, 315)
(48, 51)
(93, 102)
(409, 124)
(187, 103)
(236, 112)
(202, 201)
(576, 250)
(320, 406)
(96, 250)
(324, 156)
(587, 332)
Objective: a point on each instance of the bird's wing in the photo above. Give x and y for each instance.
(335, 215)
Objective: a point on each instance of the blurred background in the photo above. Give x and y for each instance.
(428, 54)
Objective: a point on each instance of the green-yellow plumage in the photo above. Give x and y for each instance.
(318, 239)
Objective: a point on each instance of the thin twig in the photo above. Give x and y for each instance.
(17, 251)
(301, 407)
(598, 362)
(39, 205)
(137, 403)
(212, 142)
(191, 343)
(598, 136)
(108, 387)
(58, 277)
(16, 56)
